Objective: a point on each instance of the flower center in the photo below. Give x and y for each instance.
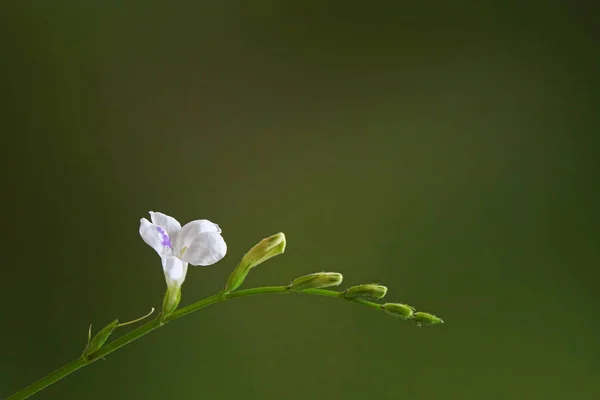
(182, 251)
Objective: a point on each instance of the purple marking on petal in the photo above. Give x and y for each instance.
(165, 238)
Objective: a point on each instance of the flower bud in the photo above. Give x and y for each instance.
(398, 310)
(366, 291)
(101, 337)
(423, 318)
(261, 252)
(317, 280)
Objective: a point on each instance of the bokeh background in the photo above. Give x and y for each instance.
(448, 151)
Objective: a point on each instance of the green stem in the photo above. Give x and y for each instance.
(157, 323)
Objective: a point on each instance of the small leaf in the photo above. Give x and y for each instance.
(98, 341)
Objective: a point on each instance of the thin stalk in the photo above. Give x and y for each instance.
(157, 323)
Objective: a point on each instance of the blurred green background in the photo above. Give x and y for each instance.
(448, 151)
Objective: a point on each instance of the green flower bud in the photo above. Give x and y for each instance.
(423, 318)
(398, 310)
(265, 249)
(101, 337)
(366, 291)
(317, 280)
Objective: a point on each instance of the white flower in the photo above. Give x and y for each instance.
(198, 243)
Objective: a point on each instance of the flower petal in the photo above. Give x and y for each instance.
(175, 271)
(188, 233)
(206, 249)
(155, 236)
(170, 224)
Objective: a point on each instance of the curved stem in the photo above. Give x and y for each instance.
(157, 323)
